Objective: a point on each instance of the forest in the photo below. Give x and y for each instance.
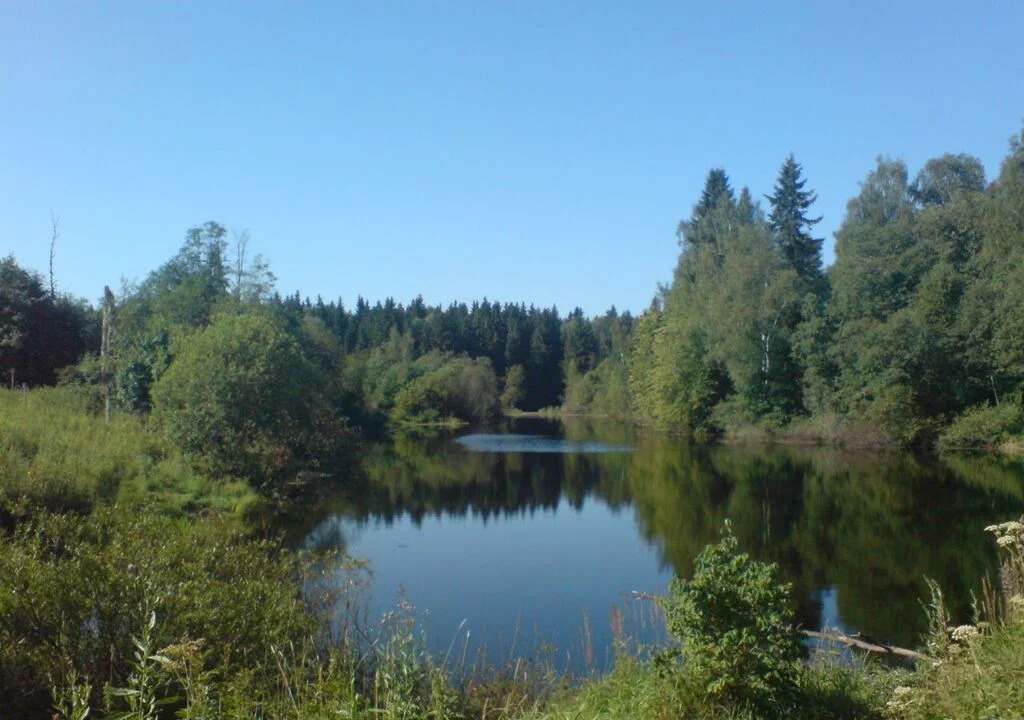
(912, 337)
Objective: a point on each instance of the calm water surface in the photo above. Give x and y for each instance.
(527, 536)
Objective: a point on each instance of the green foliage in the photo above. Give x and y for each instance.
(735, 623)
(726, 324)
(983, 427)
(580, 343)
(57, 456)
(828, 691)
(603, 391)
(73, 590)
(446, 387)
(241, 399)
(918, 321)
(942, 178)
(717, 193)
(39, 333)
(512, 394)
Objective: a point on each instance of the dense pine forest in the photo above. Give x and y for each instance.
(912, 336)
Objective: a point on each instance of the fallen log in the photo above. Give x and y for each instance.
(872, 647)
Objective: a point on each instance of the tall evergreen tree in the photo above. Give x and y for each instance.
(790, 223)
(717, 192)
(716, 187)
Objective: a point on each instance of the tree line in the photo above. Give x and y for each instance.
(254, 384)
(916, 332)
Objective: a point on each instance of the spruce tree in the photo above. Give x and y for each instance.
(715, 187)
(790, 224)
(717, 191)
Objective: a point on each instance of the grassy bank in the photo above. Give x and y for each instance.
(57, 456)
(995, 430)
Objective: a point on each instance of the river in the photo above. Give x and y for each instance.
(527, 538)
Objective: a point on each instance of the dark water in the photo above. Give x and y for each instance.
(527, 535)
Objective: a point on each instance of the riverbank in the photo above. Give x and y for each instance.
(109, 544)
(825, 430)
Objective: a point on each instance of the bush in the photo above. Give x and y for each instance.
(735, 623)
(893, 409)
(602, 391)
(982, 427)
(513, 393)
(241, 399)
(458, 387)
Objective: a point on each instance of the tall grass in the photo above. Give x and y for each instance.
(56, 456)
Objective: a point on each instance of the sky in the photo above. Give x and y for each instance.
(530, 151)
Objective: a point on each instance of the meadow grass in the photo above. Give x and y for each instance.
(57, 456)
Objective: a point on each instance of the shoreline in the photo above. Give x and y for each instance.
(845, 437)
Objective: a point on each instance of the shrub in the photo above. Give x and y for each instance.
(241, 399)
(458, 387)
(735, 623)
(982, 427)
(513, 393)
(893, 409)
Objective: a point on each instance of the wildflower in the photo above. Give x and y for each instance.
(1013, 527)
(964, 634)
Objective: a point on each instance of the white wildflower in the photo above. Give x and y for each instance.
(964, 633)
(1013, 527)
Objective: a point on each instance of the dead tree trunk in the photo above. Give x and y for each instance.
(54, 221)
(107, 335)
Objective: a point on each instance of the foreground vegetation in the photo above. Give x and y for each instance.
(128, 612)
(130, 586)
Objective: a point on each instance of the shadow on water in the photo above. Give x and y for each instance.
(541, 522)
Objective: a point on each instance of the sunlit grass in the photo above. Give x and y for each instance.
(58, 456)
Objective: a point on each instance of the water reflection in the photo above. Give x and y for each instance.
(519, 443)
(541, 536)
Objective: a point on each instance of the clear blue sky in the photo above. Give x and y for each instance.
(539, 151)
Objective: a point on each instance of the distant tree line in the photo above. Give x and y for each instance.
(916, 332)
(256, 385)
